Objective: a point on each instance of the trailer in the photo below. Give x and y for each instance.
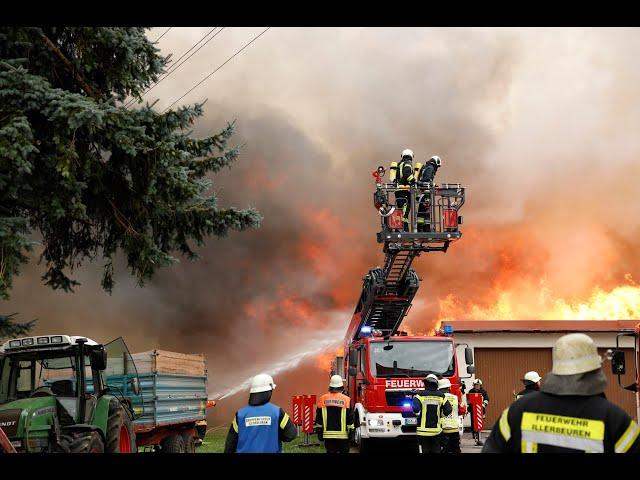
(170, 411)
(174, 406)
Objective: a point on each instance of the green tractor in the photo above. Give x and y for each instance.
(54, 397)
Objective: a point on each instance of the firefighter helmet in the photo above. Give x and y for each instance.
(575, 353)
(477, 381)
(532, 377)
(262, 383)
(436, 159)
(431, 378)
(336, 382)
(444, 383)
(407, 153)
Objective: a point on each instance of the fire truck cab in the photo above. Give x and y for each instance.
(385, 372)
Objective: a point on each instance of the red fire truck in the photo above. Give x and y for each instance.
(385, 366)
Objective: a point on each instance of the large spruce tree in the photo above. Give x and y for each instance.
(86, 176)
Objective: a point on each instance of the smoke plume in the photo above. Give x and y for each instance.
(540, 125)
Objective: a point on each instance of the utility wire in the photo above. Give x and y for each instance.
(177, 63)
(219, 67)
(165, 32)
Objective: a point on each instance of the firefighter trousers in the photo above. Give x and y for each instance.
(451, 442)
(336, 445)
(429, 444)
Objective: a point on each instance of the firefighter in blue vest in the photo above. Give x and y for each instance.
(334, 417)
(570, 413)
(430, 406)
(261, 426)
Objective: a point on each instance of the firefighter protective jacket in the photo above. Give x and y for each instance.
(428, 172)
(450, 422)
(541, 422)
(405, 173)
(430, 406)
(334, 418)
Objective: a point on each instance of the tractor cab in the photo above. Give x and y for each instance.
(53, 385)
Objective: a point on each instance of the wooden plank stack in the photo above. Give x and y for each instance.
(162, 361)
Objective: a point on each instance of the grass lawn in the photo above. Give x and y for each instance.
(214, 443)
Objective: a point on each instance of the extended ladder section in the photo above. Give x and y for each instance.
(422, 218)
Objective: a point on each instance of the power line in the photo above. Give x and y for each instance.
(207, 76)
(177, 65)
(165, 32)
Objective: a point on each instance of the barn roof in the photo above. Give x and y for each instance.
(477, 326)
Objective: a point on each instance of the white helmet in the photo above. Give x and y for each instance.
(532, 377)
(444, 383)
(431, 378)
(575, 353)
(436, 159)
(262, 383)
(477, 381)
(407, 153)
(336, 382)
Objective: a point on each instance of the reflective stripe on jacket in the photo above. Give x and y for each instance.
(544, 423)
(430, 418)
(450, 422)
(405, 173)
(334, 415)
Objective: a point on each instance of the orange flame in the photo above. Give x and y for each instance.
(537, 302)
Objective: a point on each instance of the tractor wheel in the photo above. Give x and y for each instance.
(87, 443)
(173, 444)
(189, 440)
(120, 435)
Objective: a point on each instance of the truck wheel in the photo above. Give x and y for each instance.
(121, 437)
(189, 442)
(87, 443)
(173, 444)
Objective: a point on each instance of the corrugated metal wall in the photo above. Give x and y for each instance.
(502, 368)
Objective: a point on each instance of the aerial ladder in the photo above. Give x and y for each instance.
(431, 225)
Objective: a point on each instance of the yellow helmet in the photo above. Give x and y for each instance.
(575, 353)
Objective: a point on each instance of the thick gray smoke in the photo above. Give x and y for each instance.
(540, 124)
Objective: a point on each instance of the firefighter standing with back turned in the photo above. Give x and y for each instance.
(570, 413)
(426, 175)
(261, 426)
(430, 406)
(334, 418)
(403, 176)
(450, 437)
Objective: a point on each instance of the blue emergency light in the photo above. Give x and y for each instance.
(406, 405)
(365, 330)
(448, 329)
